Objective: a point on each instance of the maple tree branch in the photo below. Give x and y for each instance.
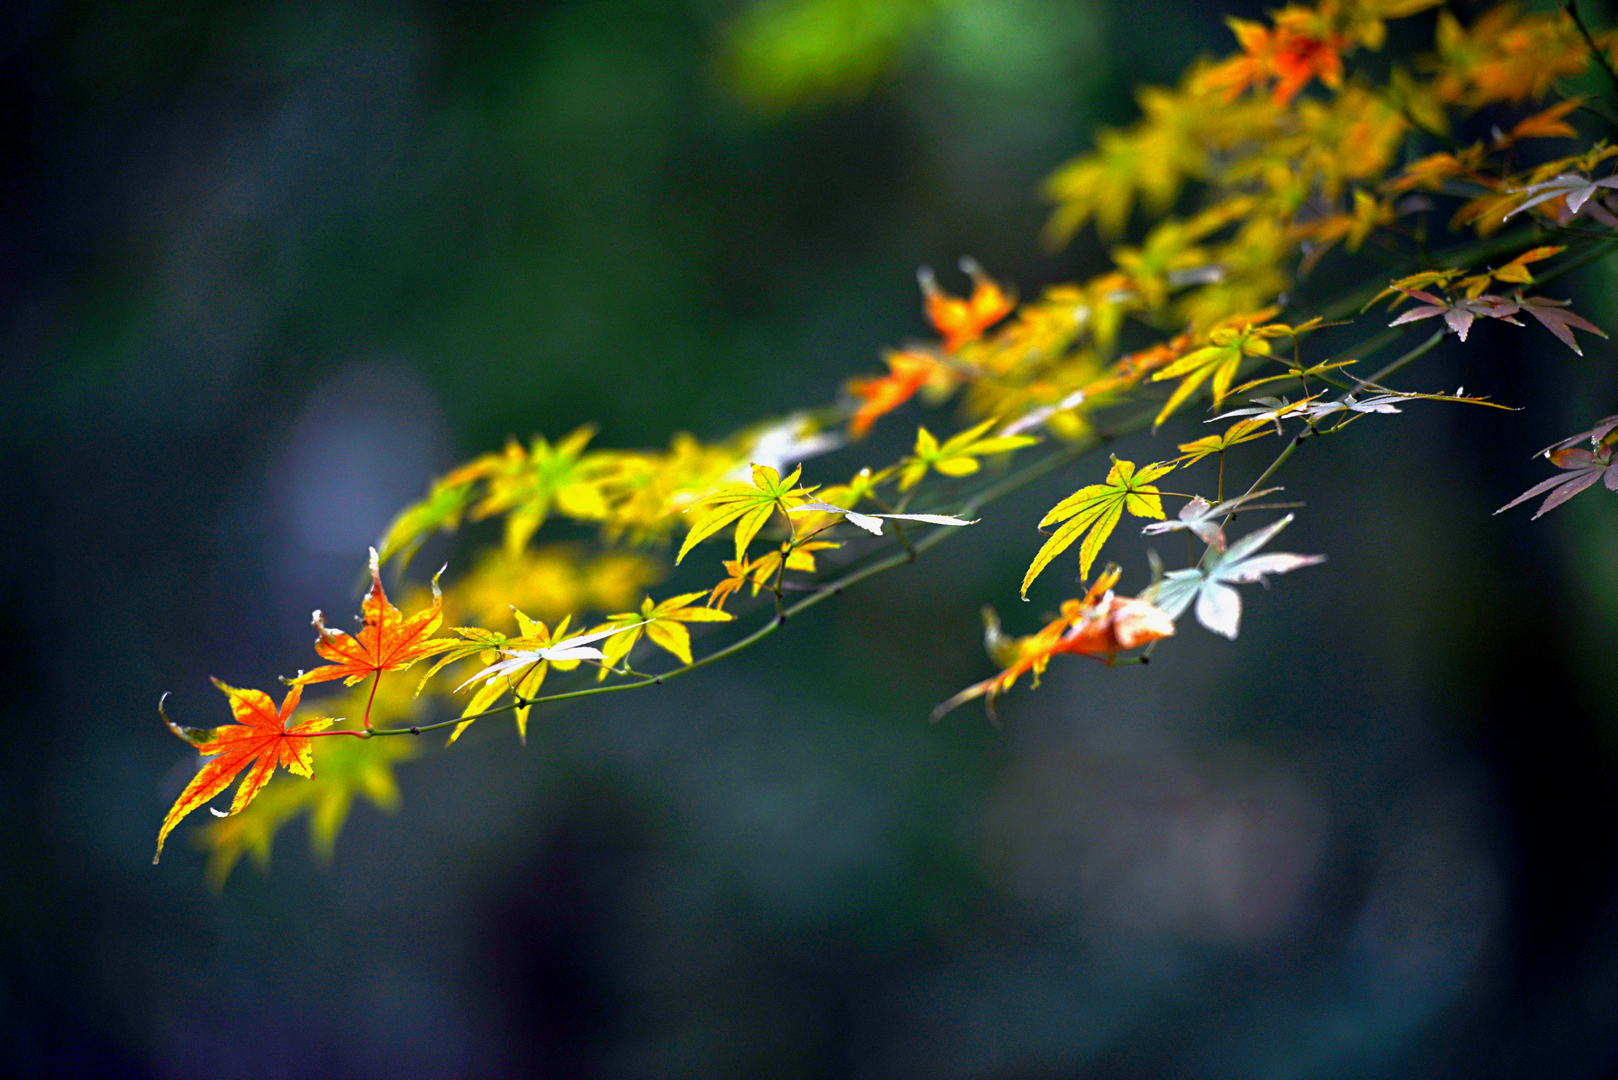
(1006, 485)
(1344, 305)
(1309, 428)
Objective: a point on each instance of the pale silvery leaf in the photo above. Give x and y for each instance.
(1219, 607)
(573, 648)
(1575, 189)
(1032, 419)
(1174, 592)
(1204, 519)
(872, 523)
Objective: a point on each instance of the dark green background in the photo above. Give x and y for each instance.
(268, 267)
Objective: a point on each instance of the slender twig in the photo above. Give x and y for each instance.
(376, 682)
(1572, 9)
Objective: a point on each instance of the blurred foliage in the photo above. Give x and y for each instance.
(785, 54)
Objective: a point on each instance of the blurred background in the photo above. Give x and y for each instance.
(268, 267)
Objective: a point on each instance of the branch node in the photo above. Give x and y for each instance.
(415, 731)
(657, 680)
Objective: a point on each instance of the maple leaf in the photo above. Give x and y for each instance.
(1385, 402)
(532, 635)
(1549, 124)
(1219, 606)
(1205, 519)
(1313, 370)
(1585, 467)
(387, 642)
(748, 506)
(1506, 54)
(1431, 171)
(1515, 272)
(1221, 358)
(1572, 189)
(963, 320)
(1239, 432)
(1596, 434)
(441, 509)
(1101, 625)
(475, 641)
(260, 739)
(1271, 410)
(1459, 314)
(1401, 290)
(1553, 317)
(798, 556)
(957, 455)
(1095, 511)
(345, 769)
(1300, 48)
(663, 624)
(526, 485)
(907, 373)
(527, 661)
(736, 577)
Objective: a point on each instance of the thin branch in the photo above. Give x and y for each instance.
(1572, 8)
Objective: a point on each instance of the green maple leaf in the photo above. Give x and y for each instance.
(749, 506)
(957, 456)
(663, 625)
(1220, 359)
(1095, 511)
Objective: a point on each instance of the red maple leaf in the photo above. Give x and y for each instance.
(908, 372)
(960, 319)
(387, 642)
(262, 738)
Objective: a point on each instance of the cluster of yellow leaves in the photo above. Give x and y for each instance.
(1508, 54)
(746, 506)
(1094, 511)
(636, 495)
(1228, 345)
(958, 455)
(551, 580)
(761, 571)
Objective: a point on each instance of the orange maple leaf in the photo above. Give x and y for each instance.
(959, 319)
(261, 738)
(908, 372)
(387, 642)
(1101, 625)
(1301, 47)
